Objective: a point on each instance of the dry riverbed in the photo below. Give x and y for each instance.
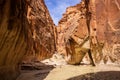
(71, 72)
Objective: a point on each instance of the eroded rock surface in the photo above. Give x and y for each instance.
(98, 19)
(106, 19)
(72, 23)
(26, 34)
(42, 36)
(13, 33)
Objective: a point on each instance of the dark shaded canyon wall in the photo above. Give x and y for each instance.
(26, 34)
(12, 37)
(100, 19)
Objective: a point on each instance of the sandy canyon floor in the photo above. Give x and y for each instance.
(72, 72)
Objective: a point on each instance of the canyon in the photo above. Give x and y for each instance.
(29, 35)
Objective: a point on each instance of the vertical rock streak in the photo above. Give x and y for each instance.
(27, 33)
(102, 20)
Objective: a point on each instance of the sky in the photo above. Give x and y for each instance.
(58, 7)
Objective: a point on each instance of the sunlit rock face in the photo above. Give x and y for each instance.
(73, 22)
(42, 36)
(101, 18)
(27, 33)
(106, 19)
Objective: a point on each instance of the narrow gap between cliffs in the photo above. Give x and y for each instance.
(58, 7)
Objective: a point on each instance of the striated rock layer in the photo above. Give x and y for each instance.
(13, 33)
(26, 34)
(105, 19)
(97, 18)
(42, 35)
(72, 23)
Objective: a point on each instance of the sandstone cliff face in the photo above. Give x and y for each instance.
(72, 23)
(42, 32)
(106, 20)
(98, 18)
(26, 34)
(13, 33)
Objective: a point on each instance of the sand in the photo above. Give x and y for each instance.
(72, 72)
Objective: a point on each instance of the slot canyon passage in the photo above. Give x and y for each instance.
(32, 47)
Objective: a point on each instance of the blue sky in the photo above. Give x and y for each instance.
(58, 7)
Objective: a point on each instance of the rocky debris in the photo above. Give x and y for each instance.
(35, 66)
(59, 60)
(56, 60)
(35, 74)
